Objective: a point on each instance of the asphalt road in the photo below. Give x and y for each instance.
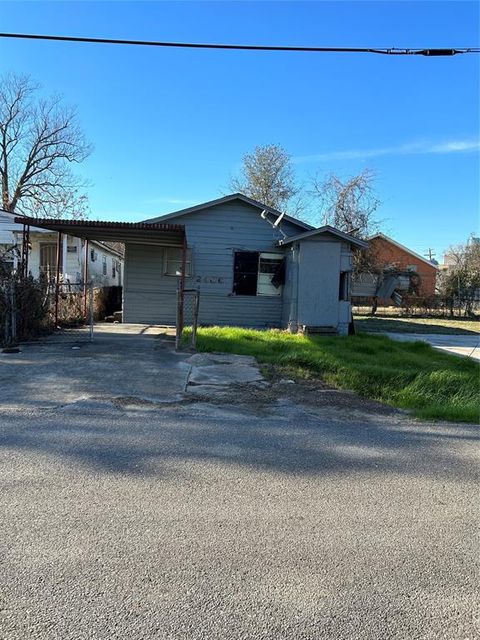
(248, 517)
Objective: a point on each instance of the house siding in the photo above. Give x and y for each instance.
(318, 284)
(11, 234)
(213, 235)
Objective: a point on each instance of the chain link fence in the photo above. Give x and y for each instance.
(187, 318)
(70, 310)
(419, 306)
(37, 309)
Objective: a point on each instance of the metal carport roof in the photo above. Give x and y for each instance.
(152, 233)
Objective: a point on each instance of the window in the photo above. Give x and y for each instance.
(104, 265)
(271, 274)
(93, 255)
(412, 267)
(343, 292)
(173, 262)
(48, 259)
(6, 259)
(245, 273)
(258, 274)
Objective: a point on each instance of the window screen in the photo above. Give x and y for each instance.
(173, 262)
(271, 274)
(48, 258)
(245, 273)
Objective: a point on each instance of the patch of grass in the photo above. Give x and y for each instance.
(414, 376)
(450, 326)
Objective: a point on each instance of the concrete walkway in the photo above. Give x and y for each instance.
(123, 361)
(460, 345)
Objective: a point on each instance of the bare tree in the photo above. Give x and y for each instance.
(267, 176)
(348, 204)
(460, 283)
(39, 141)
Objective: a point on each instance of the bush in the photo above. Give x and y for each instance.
(25, 302)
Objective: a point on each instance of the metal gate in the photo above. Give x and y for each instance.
(71, 312)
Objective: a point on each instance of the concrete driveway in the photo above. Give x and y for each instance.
(460, 345)
(133, 510)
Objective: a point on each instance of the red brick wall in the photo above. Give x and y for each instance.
(387, 254)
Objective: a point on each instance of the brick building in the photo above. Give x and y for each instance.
(390, 253)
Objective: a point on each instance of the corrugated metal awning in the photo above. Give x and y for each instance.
(151, 233)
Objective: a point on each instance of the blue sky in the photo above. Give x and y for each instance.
(170, 127)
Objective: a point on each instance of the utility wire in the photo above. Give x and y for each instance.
(245, 47)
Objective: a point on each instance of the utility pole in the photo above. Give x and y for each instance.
(430, 254)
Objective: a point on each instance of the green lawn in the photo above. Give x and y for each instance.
(379, 324)
(412, 375)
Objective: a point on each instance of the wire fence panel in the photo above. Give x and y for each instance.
(187, 320)
(33, 309)
(71, 311)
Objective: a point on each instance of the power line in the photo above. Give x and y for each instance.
(246, 47)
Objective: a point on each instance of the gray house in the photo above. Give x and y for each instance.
(253, 266)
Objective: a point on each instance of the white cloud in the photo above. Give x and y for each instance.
(164, 200)
(412, 148)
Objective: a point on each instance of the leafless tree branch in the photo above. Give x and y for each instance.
(39, 140)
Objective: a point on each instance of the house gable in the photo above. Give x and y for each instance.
(271, 214)
(394, 248)
(391, 253)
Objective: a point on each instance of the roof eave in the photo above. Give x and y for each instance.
(404, 248)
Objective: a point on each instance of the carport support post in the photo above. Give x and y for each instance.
(57, 275)
(85, 280)
(181, 295)
(25, 244)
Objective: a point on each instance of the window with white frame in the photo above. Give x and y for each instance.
(173, 262)
(270, 274)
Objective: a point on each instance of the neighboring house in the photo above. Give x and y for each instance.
(105, 264)
(391, 254)
(253, 266)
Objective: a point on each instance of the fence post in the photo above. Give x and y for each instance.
(195, 319)
(90, 315)
(6, 327)
(57, 277)
(178, 329)
(13, 313)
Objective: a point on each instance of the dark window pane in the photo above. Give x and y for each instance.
(246, 261)
(245, 284)
(245, 273)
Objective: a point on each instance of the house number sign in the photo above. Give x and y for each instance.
(209, 279)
